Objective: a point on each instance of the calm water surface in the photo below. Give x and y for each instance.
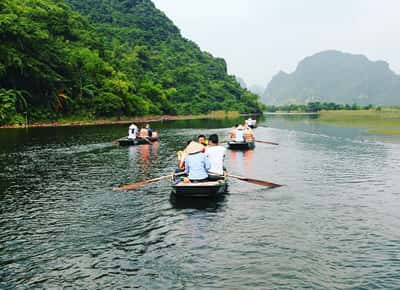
(335, 225)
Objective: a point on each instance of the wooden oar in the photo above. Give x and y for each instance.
(116, 140)
(256, 181)
(267, 142)
(147, 140)
(138, 184)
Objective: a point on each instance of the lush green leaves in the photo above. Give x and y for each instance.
(123, 57)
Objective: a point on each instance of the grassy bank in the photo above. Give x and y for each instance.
(77, 121)
(384, 121)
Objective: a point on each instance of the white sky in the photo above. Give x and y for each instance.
(257, 38)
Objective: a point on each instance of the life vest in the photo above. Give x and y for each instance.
(248, 135)
(144, 132)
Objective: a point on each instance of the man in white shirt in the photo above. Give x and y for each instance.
(133, 130)
(215, 154)
(239, 134)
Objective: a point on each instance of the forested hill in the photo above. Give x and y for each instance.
(103, 58)
(333, 76)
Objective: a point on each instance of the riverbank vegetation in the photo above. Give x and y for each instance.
(383, 121)
(104, 59)
(84, 121)
(314, 107)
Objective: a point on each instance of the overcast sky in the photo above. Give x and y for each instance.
(258, 38)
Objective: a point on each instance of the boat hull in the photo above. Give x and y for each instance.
(208, 189)
(137, 141)
(241, 145)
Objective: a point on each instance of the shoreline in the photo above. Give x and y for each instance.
(115, 121)
(291, 113)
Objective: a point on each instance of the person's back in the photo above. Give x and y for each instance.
(215, 154)
(248, 135)
(239, 134)
(132, 132)
(144, 133)
(196, 162)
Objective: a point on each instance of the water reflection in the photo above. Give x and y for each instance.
(334, 226)
(241, 160)
(212, 204)
(143, 156)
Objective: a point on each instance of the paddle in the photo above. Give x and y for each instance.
(116, 140)
(256, 181)
(267, 142)
(138, 184)
(147, 140)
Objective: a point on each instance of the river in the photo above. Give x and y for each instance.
(334, 225)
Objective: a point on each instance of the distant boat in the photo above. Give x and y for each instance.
(138, 141)
(243, 145)
(251, 123)
(207, 189)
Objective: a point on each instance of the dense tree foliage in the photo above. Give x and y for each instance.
(94, 58)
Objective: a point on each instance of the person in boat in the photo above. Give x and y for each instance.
(132, 132)
(149, 130)
(232, 132)
(248, 134)
(202, 140)
(181, 158)
(239, 134)
(216, 155)
(249, 122)
(196, 163)
(144, 133)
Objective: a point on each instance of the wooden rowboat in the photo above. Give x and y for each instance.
(244, 145)
(207, 189)
(138, 141)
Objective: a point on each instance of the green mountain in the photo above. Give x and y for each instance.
(333, 76)
(95, 58)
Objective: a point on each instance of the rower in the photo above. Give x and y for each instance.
(144, 133)
(132, 132)
(248, 134)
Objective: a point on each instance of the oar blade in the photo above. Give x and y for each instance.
(133, 186)
(263, 183)
(267, 142)
(256, 181)
(138, 184)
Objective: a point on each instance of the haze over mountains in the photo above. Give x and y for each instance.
(334, 76)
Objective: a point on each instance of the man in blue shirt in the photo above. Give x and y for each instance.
(196, 162)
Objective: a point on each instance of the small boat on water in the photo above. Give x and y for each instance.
(242, 145)
(251, 123)
(206, 189)
(138, 141)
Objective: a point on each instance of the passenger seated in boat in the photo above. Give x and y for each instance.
(248, 134)
(239, 134)
(232, 132)
(144, 133)
(249, 122)
(196, 163)
(202, 140)
(181, 158)
(149, 130)
(216, 155)
(132, 132)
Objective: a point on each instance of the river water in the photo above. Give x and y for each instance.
(334, 225)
